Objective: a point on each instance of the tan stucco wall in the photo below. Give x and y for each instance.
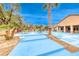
(70, 20)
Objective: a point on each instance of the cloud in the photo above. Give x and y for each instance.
(34, 16)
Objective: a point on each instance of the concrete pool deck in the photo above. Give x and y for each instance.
(67, 46)
(7, 46)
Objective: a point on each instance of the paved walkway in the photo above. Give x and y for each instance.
(7, 46)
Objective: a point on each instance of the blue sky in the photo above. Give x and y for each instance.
(33, 13)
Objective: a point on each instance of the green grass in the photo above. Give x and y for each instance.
(4, 26)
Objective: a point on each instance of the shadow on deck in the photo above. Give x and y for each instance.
(51, 52)
(34, 40)
(67, 46)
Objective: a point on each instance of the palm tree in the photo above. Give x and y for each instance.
(49, 6)
(2, 17)
(14, 7)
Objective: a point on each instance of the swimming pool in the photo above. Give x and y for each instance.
(37, 44)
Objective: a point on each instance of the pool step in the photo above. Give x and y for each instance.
(67, 46)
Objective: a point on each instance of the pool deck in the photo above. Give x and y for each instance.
(67, 46)
(7, 46)
(38, 44)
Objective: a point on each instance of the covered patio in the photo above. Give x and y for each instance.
(69, 24)
(69, 29)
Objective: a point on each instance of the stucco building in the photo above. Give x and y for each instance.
(68, 24)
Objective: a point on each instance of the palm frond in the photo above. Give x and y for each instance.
(2, 9)
(54, 4)
(15, 6)
(45, 6)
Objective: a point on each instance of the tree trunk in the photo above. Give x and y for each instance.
(10, 17)
(49, 19)
(13, 32)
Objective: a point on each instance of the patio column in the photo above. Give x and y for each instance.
(71, 29)
(64, 28)
(57, 29)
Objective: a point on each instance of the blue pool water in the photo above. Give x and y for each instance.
(37, 44)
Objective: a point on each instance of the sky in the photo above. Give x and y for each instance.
(33, 13)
